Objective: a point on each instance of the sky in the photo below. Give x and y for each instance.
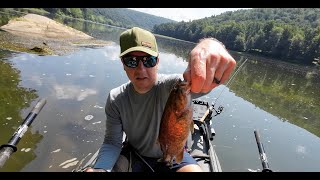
(185, 14)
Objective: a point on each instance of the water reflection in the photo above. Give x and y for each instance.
(14, 99)
(282, 91)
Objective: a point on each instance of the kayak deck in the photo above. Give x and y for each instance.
(204, 153)
(199, 143)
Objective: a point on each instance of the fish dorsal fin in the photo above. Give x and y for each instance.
(192, 127)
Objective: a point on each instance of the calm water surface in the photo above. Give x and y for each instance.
(281, 100)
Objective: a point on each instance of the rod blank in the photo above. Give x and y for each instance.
(7, 149)
(263, 156)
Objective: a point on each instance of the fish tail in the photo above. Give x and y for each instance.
(180, 156)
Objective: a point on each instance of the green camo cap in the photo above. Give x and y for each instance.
(137, 39)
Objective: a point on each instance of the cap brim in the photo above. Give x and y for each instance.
(140, 48)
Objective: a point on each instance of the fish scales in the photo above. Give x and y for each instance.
(176, 122)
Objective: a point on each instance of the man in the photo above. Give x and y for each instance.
(136, 107)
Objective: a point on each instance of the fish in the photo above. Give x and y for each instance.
(176, 123)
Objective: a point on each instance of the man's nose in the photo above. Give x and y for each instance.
(140, 65)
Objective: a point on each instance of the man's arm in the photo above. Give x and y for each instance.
(111, 147)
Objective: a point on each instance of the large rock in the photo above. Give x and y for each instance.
(40, 35)
(39, 26)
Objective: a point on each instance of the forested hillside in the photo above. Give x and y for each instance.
(129, 18)
(120, 17)
(291, 34)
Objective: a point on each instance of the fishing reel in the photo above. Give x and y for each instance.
(217, 111)
(203, 114)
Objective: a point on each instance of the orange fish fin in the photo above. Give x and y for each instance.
(160, 160)
(179, 157)
(192, 127)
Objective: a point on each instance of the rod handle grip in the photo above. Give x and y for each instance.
(37, 108)
(5, 153)
(206, 114)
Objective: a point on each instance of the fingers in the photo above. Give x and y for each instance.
(94, 170)
(89, 170)
(225, 63)
(187, 74)
(211, 69)
(228, 71)
(222, 73)
(208, 70)
(198, 72)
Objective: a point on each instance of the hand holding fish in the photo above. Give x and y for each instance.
(94, 170)
(210, 64)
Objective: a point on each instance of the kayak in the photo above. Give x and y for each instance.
(199, 143)
(201, 140)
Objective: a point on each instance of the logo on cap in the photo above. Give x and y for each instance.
(146, 44)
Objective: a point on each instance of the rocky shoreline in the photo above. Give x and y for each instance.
(40, 35)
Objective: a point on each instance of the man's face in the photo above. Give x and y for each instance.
(142, 78)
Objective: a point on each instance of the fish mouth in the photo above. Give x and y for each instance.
(185, 86)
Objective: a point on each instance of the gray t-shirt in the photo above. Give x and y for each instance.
(139, 116)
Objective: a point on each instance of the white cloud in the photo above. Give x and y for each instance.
(112, 52)
(176, 63)
(37, 79)
(185, 14)
(72, 92)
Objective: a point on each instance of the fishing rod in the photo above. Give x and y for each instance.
(263, 156)
(7, 149)
(204, 123)
(211, 108)
(231, 79)
(208, 133)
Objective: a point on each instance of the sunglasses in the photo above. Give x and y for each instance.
(133, 61)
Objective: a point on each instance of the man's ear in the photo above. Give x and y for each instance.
(122, 64)
(158, 63)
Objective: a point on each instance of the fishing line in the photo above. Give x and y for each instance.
(146, 163)
(230, 80)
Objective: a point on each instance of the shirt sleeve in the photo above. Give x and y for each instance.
(111, 147)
